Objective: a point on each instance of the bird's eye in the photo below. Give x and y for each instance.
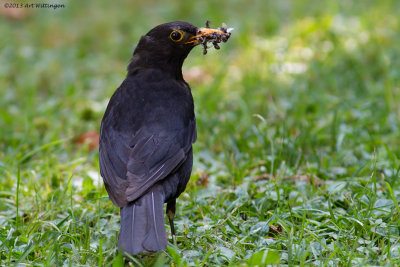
(176, 36)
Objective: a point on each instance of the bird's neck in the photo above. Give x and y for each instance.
(171, 66)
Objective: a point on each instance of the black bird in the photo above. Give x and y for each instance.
(147, 134)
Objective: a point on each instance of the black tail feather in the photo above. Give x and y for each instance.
(142, 224)
(156, 237)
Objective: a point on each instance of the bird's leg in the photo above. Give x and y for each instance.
(171, 213)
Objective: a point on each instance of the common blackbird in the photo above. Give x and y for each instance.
(147, 134)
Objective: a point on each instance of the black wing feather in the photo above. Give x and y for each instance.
(140, 151)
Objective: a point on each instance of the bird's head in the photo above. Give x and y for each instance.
(166, 46)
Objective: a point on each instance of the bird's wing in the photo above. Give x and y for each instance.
(152, 155)
(112, 160)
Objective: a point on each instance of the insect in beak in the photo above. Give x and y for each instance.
(214, 36)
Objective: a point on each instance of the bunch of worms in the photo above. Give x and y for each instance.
(222, 34)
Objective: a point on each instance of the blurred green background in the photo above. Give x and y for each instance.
(300, 109)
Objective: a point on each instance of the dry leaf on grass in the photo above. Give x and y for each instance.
(14, 13)
(91, 138)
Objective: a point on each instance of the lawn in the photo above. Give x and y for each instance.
(297, 159)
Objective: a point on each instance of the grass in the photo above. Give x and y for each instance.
(298, 154)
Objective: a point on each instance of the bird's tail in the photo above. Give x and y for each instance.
(142, 224)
